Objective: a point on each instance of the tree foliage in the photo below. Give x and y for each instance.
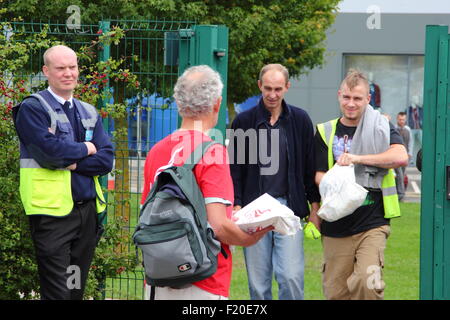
(291, 32)
(17, 267)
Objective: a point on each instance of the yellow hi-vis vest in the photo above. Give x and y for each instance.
(391, 205)
(49, 192)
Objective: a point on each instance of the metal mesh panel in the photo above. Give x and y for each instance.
(151, 113)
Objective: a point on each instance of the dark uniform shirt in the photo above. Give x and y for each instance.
(275, 184)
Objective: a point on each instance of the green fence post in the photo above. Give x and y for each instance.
(221, 59)
(435, 208)
(207, 44)
(104, 55)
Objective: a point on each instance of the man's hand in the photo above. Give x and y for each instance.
(91, 148)
(72, 167)
(254, 237)
(392, 158)
(235, 209)
(347, 159)
(313, 216)
(229, 232)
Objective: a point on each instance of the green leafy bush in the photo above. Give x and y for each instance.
(18, 271)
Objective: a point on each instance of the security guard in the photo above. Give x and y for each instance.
(63, 150)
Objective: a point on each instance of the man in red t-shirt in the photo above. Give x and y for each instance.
(198, 96)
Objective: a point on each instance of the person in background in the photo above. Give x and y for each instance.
(400, 173)
(414, 114)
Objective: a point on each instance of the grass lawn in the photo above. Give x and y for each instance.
(401, 271)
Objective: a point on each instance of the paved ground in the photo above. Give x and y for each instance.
(414, 185)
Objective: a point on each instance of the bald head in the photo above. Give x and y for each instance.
(61, 69)
(50, 53)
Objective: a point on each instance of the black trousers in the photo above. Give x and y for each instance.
(64, 251)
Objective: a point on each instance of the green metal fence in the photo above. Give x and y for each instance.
(151, 112)
(157, 51)
(152, 115)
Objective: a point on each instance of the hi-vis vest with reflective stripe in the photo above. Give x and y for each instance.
(49, 192)
(391, 206)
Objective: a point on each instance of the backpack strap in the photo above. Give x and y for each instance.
(189, 164)
(152, 291)
(198, 154)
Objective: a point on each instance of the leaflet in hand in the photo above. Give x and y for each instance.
(267, 211)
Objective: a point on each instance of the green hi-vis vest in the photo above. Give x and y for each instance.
(49, 192)
(391, 205)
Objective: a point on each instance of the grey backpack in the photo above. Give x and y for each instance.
(178, 245)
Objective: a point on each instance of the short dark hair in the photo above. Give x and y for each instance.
(401, 113)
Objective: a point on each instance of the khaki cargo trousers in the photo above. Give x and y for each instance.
(352, 268)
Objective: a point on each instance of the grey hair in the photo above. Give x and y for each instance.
(197, 90)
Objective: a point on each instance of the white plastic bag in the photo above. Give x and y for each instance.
(267, 211)
(341, 195)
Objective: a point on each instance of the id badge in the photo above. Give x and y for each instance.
(89, 134)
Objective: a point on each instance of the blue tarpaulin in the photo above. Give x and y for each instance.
(247, 104)
(159, 118)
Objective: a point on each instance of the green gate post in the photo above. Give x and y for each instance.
(104, 55)
(207, 44)
(435, 206)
